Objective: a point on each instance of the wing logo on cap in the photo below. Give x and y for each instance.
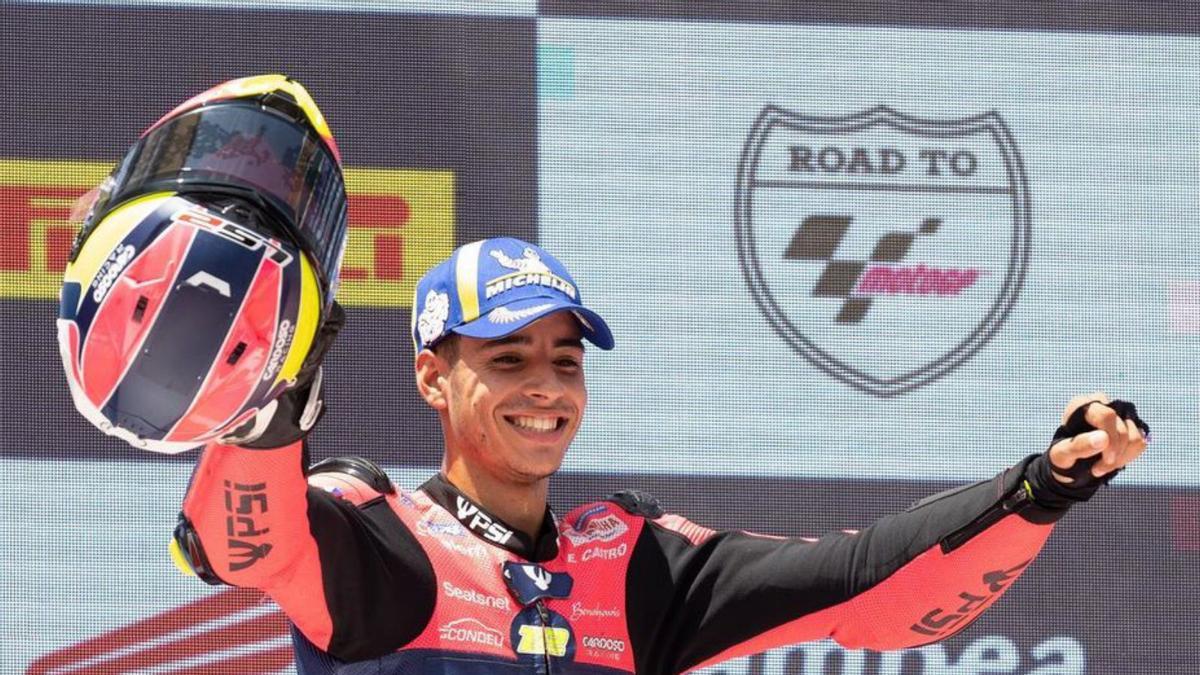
(433, 318)
(506, 315)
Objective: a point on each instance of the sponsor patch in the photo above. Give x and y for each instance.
(538, 633)
(600, 643)
(530, 271)
(606, 528)
(469, 549)
(529, 261)
(581, 520)
(604, 552)
(431, 526)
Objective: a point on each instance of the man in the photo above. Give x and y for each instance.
(472, 573)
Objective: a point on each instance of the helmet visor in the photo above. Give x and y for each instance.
(255, 151)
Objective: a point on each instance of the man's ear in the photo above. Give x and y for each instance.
(432, 371)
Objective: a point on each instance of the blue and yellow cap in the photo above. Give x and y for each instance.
(488, 289)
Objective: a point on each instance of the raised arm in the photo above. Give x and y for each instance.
(256, 515)
(699, 597)
(247, 515)
(327, 547)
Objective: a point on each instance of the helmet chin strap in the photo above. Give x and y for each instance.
(277, 423)
(312, 407)
(254, 427)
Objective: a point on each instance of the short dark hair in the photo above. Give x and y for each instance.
(447, 347)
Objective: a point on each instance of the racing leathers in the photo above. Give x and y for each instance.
(376, 580)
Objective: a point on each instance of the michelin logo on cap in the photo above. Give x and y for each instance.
(433, 317)
(489, 289)
(530, 271)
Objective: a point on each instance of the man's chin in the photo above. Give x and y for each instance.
(531, 463)
(533, 477)
(535, 471)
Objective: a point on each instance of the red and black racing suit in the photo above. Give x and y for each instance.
(390, 582)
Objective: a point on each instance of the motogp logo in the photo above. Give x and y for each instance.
(884, 249)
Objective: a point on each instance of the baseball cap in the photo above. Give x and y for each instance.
(491, 288)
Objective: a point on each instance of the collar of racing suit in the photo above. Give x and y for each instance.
(480, 522)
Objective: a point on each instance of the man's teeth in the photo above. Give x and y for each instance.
(535, 423)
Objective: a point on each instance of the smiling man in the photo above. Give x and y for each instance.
(499, 330)
(472, 573)
(511, 406)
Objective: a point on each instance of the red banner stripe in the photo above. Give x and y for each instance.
(225, 603)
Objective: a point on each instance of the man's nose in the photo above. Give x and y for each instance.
(544, 384)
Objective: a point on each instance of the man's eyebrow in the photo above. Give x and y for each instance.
(525, 340)
(569, 342)
(507, 340)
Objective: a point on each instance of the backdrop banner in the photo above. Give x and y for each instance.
(853, 254)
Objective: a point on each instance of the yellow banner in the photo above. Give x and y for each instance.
(401, 223)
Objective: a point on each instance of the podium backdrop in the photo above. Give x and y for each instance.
(853, 253)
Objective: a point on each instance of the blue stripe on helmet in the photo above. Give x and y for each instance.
(289, 310)
(188, 333)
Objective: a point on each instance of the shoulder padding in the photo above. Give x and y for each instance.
(355, 479)
(637, 502)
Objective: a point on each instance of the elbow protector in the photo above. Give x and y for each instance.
(188, 553)
(356, 479)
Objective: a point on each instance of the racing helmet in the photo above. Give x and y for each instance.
(204, 266)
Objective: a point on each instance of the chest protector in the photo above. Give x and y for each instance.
(498, 611)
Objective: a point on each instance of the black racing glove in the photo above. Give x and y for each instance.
(297, 410)
(1052, 493)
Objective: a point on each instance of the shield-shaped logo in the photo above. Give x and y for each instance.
(884, 249)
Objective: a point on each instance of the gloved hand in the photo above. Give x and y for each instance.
(297, 410)
(1097, 439)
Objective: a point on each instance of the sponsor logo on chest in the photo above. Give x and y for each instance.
(581, 611)
(481, 523)
(599, 553)
(471, 631)
(600, 643)
(604, 528)
(449, 534)
(432, 526)
(475, 597)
